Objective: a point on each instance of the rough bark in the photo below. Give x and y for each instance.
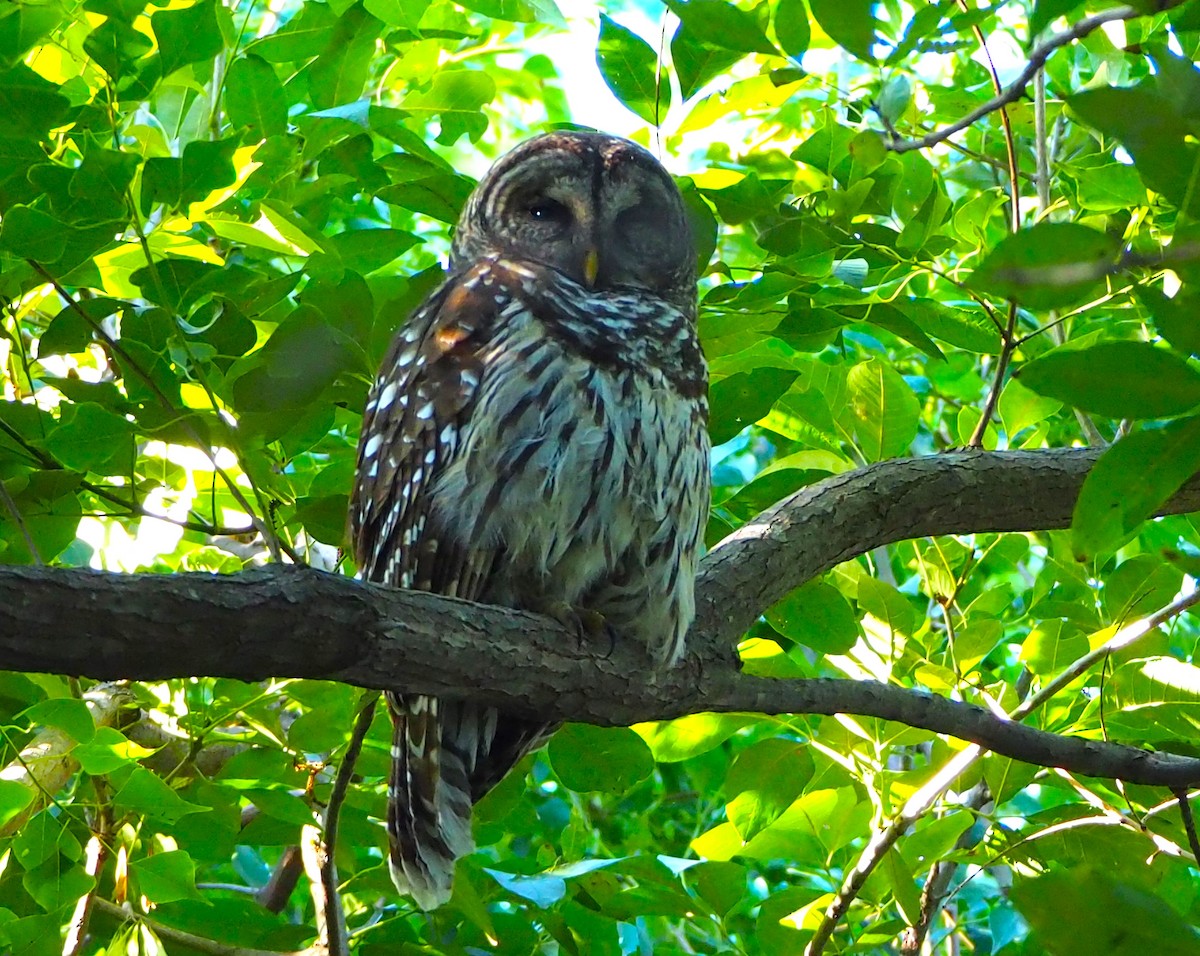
(303, 623)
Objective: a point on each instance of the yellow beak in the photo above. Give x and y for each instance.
(591, 267)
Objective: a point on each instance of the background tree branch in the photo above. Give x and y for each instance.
(303, 623)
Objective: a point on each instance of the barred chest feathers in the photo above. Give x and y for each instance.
(589, 469)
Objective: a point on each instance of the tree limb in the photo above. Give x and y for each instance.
(303, 623)
(1016, 89)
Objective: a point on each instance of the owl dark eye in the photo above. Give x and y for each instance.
(549, 211)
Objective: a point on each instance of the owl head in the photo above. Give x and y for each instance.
(597, 208)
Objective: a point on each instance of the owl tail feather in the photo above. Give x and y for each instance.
(429, 803)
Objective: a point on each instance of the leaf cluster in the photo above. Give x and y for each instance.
(214, 216)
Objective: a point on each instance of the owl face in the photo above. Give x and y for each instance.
(599, 209)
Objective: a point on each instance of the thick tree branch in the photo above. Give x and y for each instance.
(301, 623)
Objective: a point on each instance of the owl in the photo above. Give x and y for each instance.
(536, 439)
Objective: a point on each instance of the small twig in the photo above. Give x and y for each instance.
(96, 853)
(259, 523)
(318, 866)
(1189, 823)
(341, 784)
(920, 802)
(11, 506)
(267, 527)
(1073, 273)
(132, 508)
(937, 884)
(1008, 346)
(1015, 90)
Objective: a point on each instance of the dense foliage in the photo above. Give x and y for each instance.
(214, 215)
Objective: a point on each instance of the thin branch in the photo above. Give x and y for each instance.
(920, 802)
(1015, 90)
(1189, 824)
(1072, 273)
(15, 513)
(331, 921)
(341, 784)
(200, 944)
(1007, 348)
(259, 522)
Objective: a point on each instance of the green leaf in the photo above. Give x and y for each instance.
(1110, 917)
(296, 365)
(306, 35)
(29, 104)
(204, 167)
(1051, 646)
(886, 410)
(695, 62)
(609, 759)
(43, 837)
(56, 888)
(254, 97)
(340, 71)
(26, 26)
(817, 616)
(324, 517)
(763, 782)
(1049, 266)
(14, 798)
(743, 398)
(1175, 318)
(68, 714)
(673, 740)
(401, 13)
(722, 25)
(791, 27)
(850, 23)
(116, 47)
(1116, 379)
(29, 233)
(1157, 682)
(91, 438)
(187, 35)
(457, 98)
(49, 511)
(1046, 12)
(630, 68)
(423, 187)
(887, 605)
(361, 250)
(1130, 481)
(1154, 131)
(165, 877)
(108, 750)
(1021, 407)
(144, 793)
(1140, 585)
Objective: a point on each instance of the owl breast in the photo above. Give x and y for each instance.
(590, 477)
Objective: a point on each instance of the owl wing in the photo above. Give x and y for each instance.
(445, 754)
(415, 415)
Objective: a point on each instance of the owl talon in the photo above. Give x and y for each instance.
(586, 624)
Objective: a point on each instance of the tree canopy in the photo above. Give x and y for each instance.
(942, 690)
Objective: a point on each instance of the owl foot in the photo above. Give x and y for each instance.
(588, 625)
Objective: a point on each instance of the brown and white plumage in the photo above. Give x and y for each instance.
(536, 439)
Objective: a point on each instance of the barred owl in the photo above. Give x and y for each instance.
(536, 439)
